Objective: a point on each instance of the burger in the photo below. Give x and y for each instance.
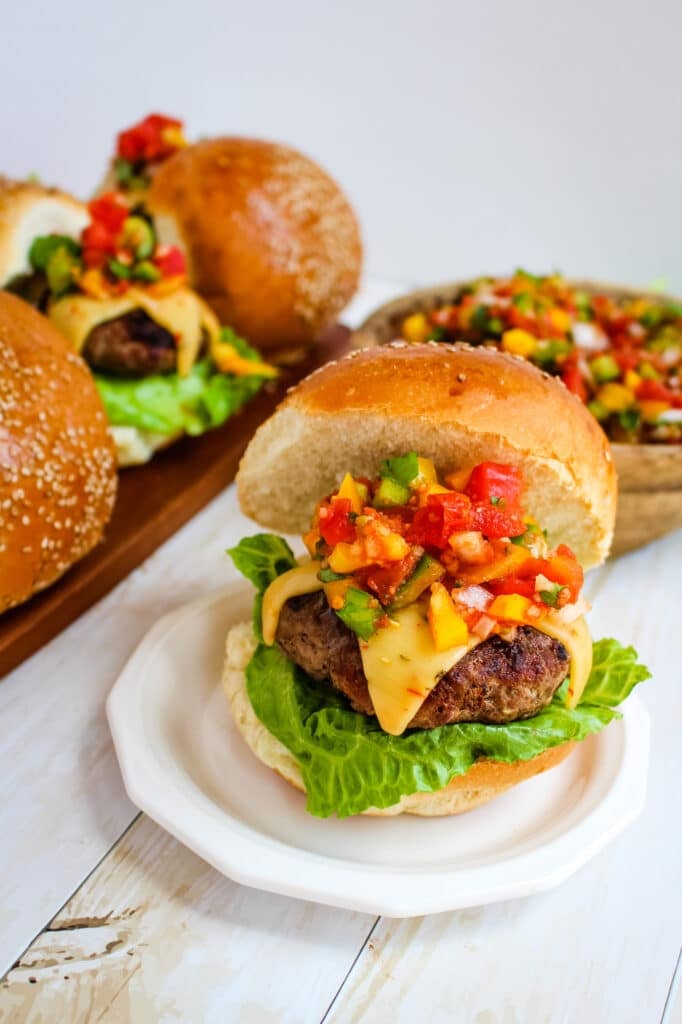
(272, 243)
(430, 649)
(57, 459)
(162, 363)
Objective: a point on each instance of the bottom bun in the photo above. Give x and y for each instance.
(135, 447)
(484, 780)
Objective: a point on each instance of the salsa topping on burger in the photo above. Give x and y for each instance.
(144, 145)
(621, 356)
(430, 626)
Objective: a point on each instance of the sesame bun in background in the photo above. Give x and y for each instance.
(57, 460)
(459, 404)
(273, 244)
(27, 211)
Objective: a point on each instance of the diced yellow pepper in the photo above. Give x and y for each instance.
(416, 328)
(560, 319)
(510, 607)
(448, 628)
(458, 479)
(632, 380)
(518, 342)
(651, 411)
(615, 397)
(349, 557)
(349, 489)
(424, 492)
(427, 471)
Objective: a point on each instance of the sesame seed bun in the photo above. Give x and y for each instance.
(456, 405)
(273, 244)
(57, 461)
(28, 210)
(484, 780)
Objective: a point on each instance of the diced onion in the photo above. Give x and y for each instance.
(589, 336)
(473, 597)
(571, 612)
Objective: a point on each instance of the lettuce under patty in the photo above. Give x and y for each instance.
(169, 404)
(348, 763)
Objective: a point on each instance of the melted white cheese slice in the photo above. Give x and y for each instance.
(575, 636)
(301, 580)
(403, 666)
(181, 312)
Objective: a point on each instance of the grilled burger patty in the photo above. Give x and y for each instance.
(499, 681)
(131, 345)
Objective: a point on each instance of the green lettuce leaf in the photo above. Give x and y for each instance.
(261, 558)
(169, 404)
(349, 763)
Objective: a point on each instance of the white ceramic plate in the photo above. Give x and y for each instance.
(186, 766)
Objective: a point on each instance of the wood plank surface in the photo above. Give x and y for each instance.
(158, 935)
(153, 502)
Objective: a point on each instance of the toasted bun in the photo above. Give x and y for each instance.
(273, 244)
(455, 404)
(57, 463)
(28, 210)
(483, 781)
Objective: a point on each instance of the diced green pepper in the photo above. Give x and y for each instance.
(427, 571)
(598, 410)
(146, 271)
(60, 271)
(403, 469)
(390, 492)
(139, 235)
(360, 612)
(647, 372)
(44, 247)
(605, 368)
(119, 269)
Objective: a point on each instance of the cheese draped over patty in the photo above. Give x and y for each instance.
(400, 660)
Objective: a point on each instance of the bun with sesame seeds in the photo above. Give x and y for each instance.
(457, 404)
(57, 458)
(273, 244)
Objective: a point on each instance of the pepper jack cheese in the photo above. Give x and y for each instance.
(400, 661)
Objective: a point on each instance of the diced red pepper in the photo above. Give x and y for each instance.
(170, 260)
(495, 522)
(335, 523)
(148, 139)
(560, 567)
(109, 211)
(443, 515)
(513, 585)
(573, 378)
(654, 391)
(498, 484)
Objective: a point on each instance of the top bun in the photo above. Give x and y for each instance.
(57, 462)
(272, 242)
(455, 404)
(28, 210)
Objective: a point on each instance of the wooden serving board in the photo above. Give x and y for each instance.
(153, 502)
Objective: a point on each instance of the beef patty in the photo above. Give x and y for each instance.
(498, 681)
(131, 345)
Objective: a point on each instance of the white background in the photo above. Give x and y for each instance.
(471, 136)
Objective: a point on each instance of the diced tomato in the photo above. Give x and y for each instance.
(385, 580)
(495, 522)
(496, 483)
(443, 515)
(170, 260)
(513, 585)
(97, 236)
(109, 211)
(573, 378)
(335, 523)
(149, 139)
(626, 358)
(654, 391)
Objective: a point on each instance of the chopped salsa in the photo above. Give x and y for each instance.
(463, 545)
(621, 356)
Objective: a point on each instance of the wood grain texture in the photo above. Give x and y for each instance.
(158, 935)
(153, 502)
(600, 948)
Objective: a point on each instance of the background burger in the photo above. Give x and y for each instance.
(57, 460)
(162, 363)
(430, 651)
(272, 242)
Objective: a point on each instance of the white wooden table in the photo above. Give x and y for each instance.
(105, 917)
